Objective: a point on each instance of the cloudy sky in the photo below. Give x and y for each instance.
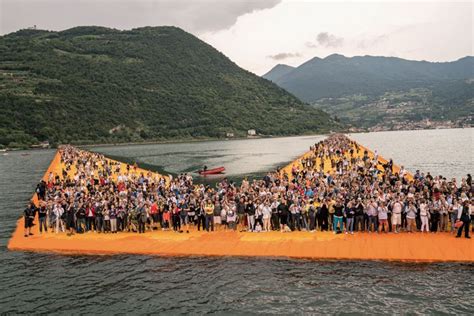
(257, 34)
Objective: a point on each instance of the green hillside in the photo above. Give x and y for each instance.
(100, 85)
(384, 92)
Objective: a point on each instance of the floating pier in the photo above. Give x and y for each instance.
(414, 247)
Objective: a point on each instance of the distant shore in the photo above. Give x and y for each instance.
(211, 139)
(194, 140)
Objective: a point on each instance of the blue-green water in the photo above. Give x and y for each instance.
(130, 284)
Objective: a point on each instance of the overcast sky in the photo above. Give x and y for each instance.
(257, 34)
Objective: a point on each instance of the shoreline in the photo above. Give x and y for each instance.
(210, 139)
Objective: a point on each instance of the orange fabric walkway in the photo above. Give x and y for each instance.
(416, 247)
(327, 163)
(320, 245)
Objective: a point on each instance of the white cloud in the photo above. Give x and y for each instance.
(426, 30)
(196, 16)
(325, 39)
(249, 31)
(282, 56)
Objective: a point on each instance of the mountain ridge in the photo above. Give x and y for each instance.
(308, 80)
(384, 93)
(278, 71)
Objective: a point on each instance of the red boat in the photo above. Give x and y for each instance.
(212, 171)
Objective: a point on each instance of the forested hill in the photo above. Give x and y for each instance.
(99, 85)
(337, 75)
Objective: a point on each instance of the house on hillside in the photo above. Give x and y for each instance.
(251, 132)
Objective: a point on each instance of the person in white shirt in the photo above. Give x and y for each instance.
(424, 215)
(58, 212)
(266, 215)
(397, 207)
(411, 217)
(382, 212)
(372, 215)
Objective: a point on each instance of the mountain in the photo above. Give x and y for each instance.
(278, 72)
(385, 92)
(101, 85)
(337, 75)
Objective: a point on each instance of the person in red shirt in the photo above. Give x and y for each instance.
(166, 219)
(154, 215)
(90, 217)
(121, 186)
(176, 220)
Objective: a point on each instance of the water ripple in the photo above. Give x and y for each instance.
(131, 284)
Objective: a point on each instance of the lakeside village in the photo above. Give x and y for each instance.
(419, 125)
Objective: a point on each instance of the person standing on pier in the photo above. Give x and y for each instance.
(359, 216)
(464, 215)
(453, 213)
(70, 223)
(58, 214)
(241, 213)
(323, 216)
(81, 219)
(209, 210)
(201, 217)
(275, 223)
(266, 216)
(411, 217)
(29, 216)
(338, 225)
(382, 214)
(424, 215)
(43, 217)
(372, 216)
(443, 211)
(250, 210)
(142, 217)
(311, 215)
(435, 215)
(350, 213)
(397, 208)
(90, 217)
(99, 217)
(174, 217)
(283, 213)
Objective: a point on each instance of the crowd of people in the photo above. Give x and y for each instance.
(339, 187)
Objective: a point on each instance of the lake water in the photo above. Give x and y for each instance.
(49, 283)
(449, 152)
(446, 152)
